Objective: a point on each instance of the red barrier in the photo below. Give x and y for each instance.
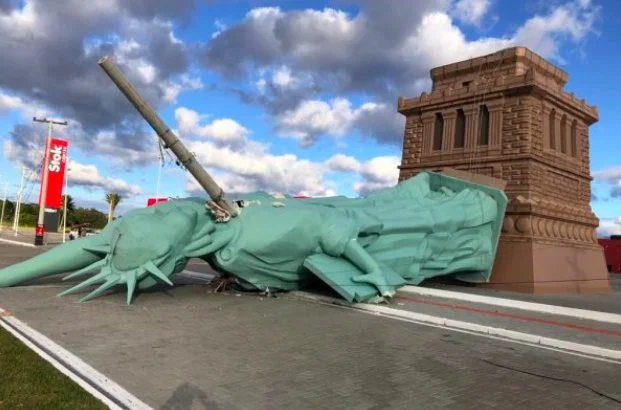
(612, 252)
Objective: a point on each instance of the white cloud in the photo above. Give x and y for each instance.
(10, 103)
(471, 11)
(612, 177)
(378, 173)
(173, 88)
(282, 77)
(343, 163)
(250, 166)
(379, 53)
(222, 130)
(89, 177)
(312, 118)
(609, 226)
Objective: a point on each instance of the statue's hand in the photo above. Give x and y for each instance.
(377, 279)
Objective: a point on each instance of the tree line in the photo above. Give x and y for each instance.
(29, 213)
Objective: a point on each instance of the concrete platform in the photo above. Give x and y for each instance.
(186, 348)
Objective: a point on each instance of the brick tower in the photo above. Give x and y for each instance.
(506, 115)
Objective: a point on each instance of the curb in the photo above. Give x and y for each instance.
(515, 304)
(95, 383)
(590, 351)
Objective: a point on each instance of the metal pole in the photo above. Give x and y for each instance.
(40, 229)
(6, 188)
(159, 178)
(65, 205)
(170, 139)
(18, 205)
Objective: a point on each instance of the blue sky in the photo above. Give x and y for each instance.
(289, 96)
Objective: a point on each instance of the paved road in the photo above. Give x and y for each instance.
(187, 348)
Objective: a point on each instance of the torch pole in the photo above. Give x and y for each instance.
(170, 139)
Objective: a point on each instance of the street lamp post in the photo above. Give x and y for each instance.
(40, 230)
(18, 203)
(65, 205)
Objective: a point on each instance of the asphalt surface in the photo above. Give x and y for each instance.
(189, 348)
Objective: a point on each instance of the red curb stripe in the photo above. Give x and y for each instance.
(566, 325)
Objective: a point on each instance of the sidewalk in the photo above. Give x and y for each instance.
(609, 302)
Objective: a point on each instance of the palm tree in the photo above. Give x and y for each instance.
(113, 200)
(70, 208)
(70, 203)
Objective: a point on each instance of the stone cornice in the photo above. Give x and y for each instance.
(480, 92)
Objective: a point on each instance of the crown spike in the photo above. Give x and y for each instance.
(155, 271)
(110, 282)
(90, 268)
(97, 278)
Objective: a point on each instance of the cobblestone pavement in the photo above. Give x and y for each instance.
(185, 348)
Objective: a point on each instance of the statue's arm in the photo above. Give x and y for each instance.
(373, 274)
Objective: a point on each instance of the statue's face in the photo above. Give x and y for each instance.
(141, 239)
(147, 246)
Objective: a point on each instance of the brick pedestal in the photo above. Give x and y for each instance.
(507, 116)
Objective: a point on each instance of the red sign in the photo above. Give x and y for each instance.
(57, 161)
(153, 200)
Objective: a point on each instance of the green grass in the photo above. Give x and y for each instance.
(29, 382)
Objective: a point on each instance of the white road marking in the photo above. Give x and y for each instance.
(20, 243)
(514, 304)
(588, 351)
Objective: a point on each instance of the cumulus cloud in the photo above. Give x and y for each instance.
(89, 177)
(224, 131)
(381, 53)
(612, 177)
(50, 52)
(609, 226)
(336, 118)
(378, 173)
(244, 165)
(470, 11)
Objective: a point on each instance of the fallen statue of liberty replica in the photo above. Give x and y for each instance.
(364, 248)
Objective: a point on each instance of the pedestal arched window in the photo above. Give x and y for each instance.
(573, 141)
(483, 125)
(564, 134)
(553, 129)
(460, 129)
(438, 131)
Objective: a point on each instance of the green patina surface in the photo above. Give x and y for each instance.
(364, 248)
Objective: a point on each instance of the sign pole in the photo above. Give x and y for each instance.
(40, 230)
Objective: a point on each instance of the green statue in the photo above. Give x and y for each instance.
(364, 248)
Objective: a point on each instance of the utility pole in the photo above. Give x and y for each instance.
(40, 230)
(159, 172)
(65, 207)
(18, 202)
(185, 157)
(6, 187)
